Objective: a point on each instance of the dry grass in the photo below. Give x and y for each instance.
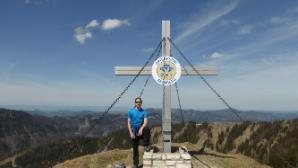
(209, 159)
(101, 160)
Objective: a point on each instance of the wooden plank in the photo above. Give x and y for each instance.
(133, 70)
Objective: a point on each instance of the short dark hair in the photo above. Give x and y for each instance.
(138, 98)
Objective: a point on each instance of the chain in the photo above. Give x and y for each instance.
(182, 118)
(148, 78)
(125, 89)
(146, 82)
(179, 102)
(186, 72)
(205, 81)
(181, 113)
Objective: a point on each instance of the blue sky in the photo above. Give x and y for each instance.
(64, 52)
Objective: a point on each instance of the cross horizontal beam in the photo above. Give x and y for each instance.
(134, 70)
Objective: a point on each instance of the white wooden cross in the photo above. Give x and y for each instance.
(166, 109)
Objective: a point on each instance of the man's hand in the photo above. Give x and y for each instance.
(132, 136)
(140, 132)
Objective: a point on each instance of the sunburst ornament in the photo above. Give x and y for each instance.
(166, 70)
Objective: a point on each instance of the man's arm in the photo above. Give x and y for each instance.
(144, 124)
(145, 121)
(129, 129)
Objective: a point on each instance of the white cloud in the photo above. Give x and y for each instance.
(245, 29)
(84, 33)
(92, 24)
(27, 1)
(198, 24)
(110, 24)
(81, 34)
(216, 56)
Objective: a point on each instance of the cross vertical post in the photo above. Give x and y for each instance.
(166, 106)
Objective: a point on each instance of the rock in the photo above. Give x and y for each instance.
(117, 165)
(183, 149)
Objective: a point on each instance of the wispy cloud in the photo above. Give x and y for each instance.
(263, 63)
(230, 22)
(197, 24)
(271, 32)
(212, 60)
(240, 25)
(148, 8)
(261, 69)
(35, 2)
(279, 20)
(268, 38)
(216, 56)
(245, 29)
(261, 83)
(151, 49)
(293, 11)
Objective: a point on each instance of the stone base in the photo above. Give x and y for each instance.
(181, 159)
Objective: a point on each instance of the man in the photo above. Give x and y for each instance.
(137, 122)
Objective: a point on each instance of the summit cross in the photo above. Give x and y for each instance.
(166, 108)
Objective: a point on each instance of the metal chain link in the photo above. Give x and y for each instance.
(206, 82)
(125, 89)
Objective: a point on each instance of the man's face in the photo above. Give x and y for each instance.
(138, 103)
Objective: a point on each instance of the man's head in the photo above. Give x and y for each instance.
(138, 102)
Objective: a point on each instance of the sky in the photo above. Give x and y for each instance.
(61, 52)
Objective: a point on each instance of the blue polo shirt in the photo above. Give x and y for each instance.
(137, 116)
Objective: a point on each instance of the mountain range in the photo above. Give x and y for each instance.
(21, 131)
